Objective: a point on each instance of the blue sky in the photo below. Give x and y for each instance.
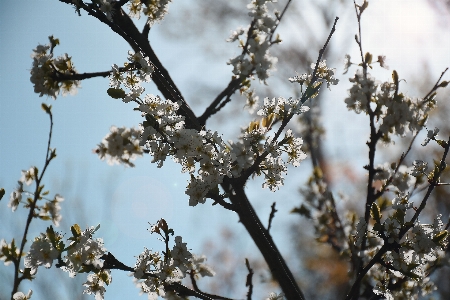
(124, 200)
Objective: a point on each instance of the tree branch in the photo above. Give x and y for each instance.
(271, 216)
(262, 239)
(125, 27)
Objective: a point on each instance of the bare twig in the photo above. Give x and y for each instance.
(271, 216)
(248, 281)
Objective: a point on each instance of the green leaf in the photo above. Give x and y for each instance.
(302, 210)
(46, 108)
(116, 93)
(375, 212)
(441, 143)
(39, 190)
(439, 238)
(368, 58)
(51, 235)
(105, 278)
(311, 92)
(27, 274)
(443, 84)
(53, 154)
(76, 230)
(53, 41)
(45, 218)
(383, 203)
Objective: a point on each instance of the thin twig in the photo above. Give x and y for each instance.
(236, 83)
(271, 216)
(248, 172)
(249, 281)
(32, 206)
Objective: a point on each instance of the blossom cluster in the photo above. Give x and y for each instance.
(154, 10)
(398, 112)
(138, 69)
(50, 210)
(322, 74)
(154, 271)
(255, 56)
(280, 108)
(83, 250)
(203, 154)
(83, 254)
(164, 134)
(46, 70)
(399, 177)
(120, 146)
(411, 255)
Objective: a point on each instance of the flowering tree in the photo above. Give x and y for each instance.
(390, 252)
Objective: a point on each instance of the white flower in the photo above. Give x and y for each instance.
(156, 10)
(273, 168)
(275, 296)
(293, 149)
(115, 78)
(95, 284)
(347, 63)
(180, 254)
(121, 146)
(197, 190)
(362, 87)
(382, 61)
(383, 291)
(42, 253)
(420, 168)
(107, 8)
(52, 208)
(22, 296)
(325, 73)
(431, 135)
(235, 34)
(199, 268)
(44, 69)
(29, 176)
(84, 250)
(145, 261)
(16, 197)
(300, 78)
(392, 228)
(135, 7)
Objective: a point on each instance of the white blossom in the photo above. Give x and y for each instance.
(42, 253)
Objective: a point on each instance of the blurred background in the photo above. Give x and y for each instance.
(190, 42)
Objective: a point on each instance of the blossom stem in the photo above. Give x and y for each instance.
(31, 214)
